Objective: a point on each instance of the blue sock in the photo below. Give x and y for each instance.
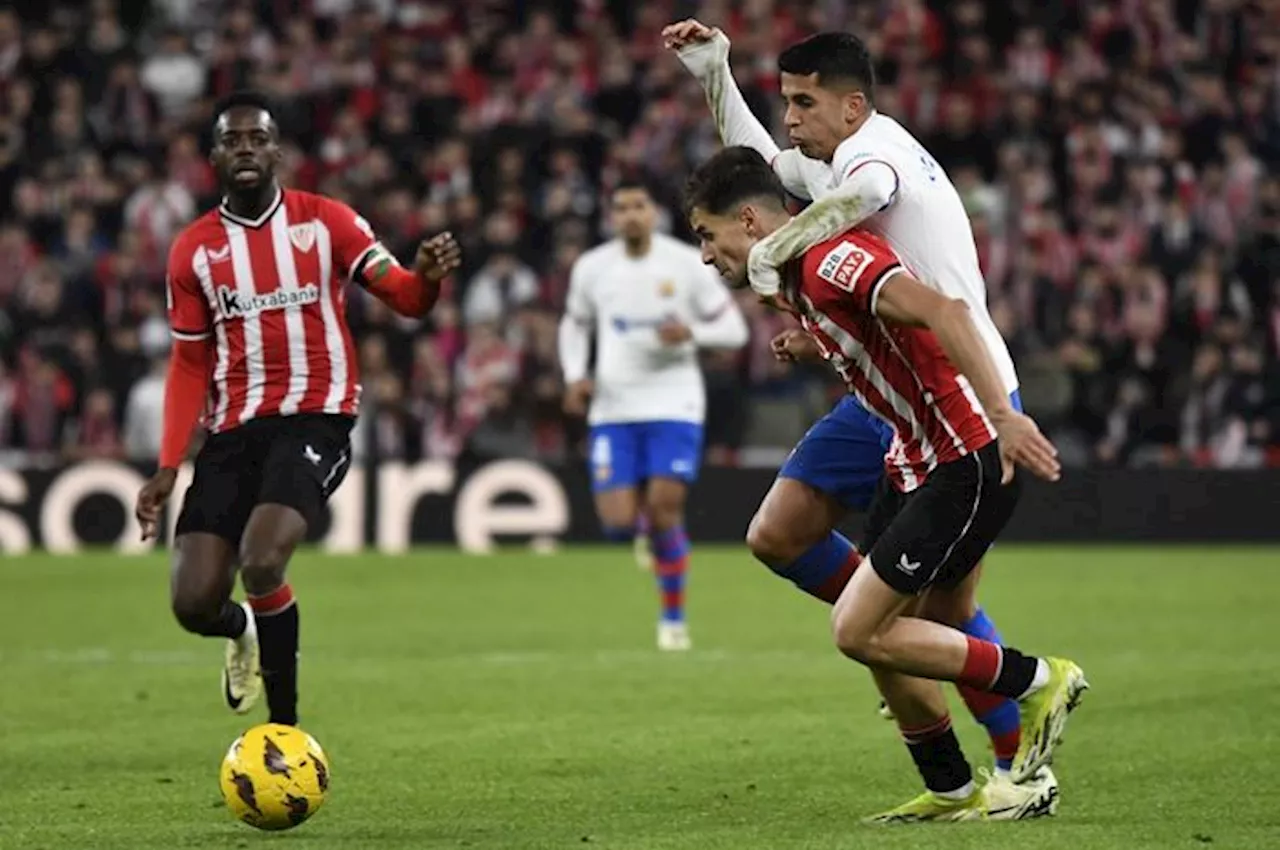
(1001, 721)
(981, 627)
(671, 552)
(824, 569)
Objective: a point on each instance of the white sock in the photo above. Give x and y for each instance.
(964, 792)
(1002, 773)
(1039, 680)
(250, 629)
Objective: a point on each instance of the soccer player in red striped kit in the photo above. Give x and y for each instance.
(914, 358)
(262, 351)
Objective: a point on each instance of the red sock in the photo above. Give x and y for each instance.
(830, 590)
(671, 576)
(981, 664)
(273, 602)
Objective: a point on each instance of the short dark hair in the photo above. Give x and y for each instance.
(235, 100)
(634, 181)
(733, 176)
(835, 57)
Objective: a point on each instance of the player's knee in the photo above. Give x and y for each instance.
(770, 543)
(854, 640)
(262, 566)
(195, 611)
(664, 513)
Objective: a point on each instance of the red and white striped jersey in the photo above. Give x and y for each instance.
(899, 373)
(271, 294)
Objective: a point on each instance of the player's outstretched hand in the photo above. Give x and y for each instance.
(794, 346)
(576, 397)
(151, 498)
(1022, 444)
(438, 256)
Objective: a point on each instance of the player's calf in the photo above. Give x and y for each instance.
(664, 507)
(791, 533)
(208, 616)
(200, 592)
(958, 607)
(273, 532)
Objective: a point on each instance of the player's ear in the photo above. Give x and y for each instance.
(855, 105)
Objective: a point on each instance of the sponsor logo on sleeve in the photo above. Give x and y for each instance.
(844, 264)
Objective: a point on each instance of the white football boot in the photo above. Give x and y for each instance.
(242, 670)
(1036, 797)
(673, 636)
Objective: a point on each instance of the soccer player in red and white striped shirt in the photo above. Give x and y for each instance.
(262, 351)
(914, 358)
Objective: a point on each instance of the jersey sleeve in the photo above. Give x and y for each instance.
(790, 165)
(355, 247)
(857, 170)
(190, 315)
(851, 268)
(578, 304)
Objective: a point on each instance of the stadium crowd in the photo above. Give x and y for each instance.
(1119, 160)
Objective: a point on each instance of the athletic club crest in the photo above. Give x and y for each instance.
(667, 288)
(303, 236)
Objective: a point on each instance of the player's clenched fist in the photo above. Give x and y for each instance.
(684, 33)
(794, 345)
(438, 256)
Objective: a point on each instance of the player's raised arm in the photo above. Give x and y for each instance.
(704, 52)
(186, 382)
(869, 187)
(900, 298)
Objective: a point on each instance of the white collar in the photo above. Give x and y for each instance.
(255, 222)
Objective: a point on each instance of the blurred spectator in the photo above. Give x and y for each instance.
(1119, 162)
(144, 415)
(173, 74)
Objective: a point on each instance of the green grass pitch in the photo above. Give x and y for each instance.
(516, 701)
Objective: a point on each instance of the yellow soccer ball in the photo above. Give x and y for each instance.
(274, 777)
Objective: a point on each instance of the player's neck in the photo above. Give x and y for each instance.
(637, 248)
(253, 203)
(853, 131)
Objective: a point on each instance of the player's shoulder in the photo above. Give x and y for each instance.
(843, 259)
(599, 256)
(880, 139)
(306, 206)
(856, 236)
(205, 230)
(300, 203)
(676, 249)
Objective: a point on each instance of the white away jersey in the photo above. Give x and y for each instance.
(926, 225)
(623, 300)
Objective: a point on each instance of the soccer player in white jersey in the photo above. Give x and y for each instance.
(650, 304)
(857, 166)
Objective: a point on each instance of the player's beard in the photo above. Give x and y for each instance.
(637, 243)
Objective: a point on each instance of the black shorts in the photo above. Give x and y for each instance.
(937, 533)
(297, 461)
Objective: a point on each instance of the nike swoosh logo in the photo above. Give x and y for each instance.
(233, 702)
